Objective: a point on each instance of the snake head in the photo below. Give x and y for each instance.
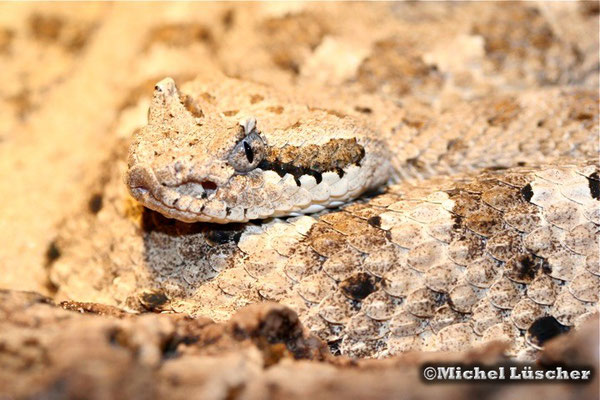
(234, 151)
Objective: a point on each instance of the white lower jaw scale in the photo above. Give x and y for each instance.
(320, 193)
(340, 188)
(313, 208)
(184, 203)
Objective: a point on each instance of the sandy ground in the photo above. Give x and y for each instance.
(59, 105)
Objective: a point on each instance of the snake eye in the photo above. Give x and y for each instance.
(247, 153)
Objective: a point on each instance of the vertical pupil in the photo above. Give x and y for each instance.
(249, 152)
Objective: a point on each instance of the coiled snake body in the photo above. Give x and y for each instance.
(487, 228)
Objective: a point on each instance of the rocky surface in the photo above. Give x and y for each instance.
(71, 349)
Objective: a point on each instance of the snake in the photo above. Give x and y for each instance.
(387, 227)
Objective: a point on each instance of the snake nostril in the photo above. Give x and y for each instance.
(209, 187)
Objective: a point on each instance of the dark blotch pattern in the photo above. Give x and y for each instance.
(594, 184)
(358, 286)
(313, 160)
(95, 203)
(286, 168)
(375, 221)
(527, 192)
(153, 301)
(53, 253)
(364, 110)
(223, 234)
(544, 329)
(528, 266)
(457, 222)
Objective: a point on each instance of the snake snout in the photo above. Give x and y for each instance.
(140, 179)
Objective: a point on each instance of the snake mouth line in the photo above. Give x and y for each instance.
(184, 200)
(148, 199)
(195, 200)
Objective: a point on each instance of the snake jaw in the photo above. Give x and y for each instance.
(259, 195)
(190, 199)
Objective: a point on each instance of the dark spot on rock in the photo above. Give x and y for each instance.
(153, 301)
(255, 98)
(53, 253)
(95, 203)
(496, 168)
(230, 113)
(594, 184)
(23, 103)
(544, 329)
(521, 164)
(228, 19)
(364, 110)
(46, 27)
(527, 192)
(358, 286)
(178, 35)
(275, 109)
(414, 122)
(6, 37)
(71, 35)
(209, 98)
(540, 123)
(340, 172)
(375, 221)
(589, 8)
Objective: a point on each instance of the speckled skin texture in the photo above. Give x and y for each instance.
(444, 262)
